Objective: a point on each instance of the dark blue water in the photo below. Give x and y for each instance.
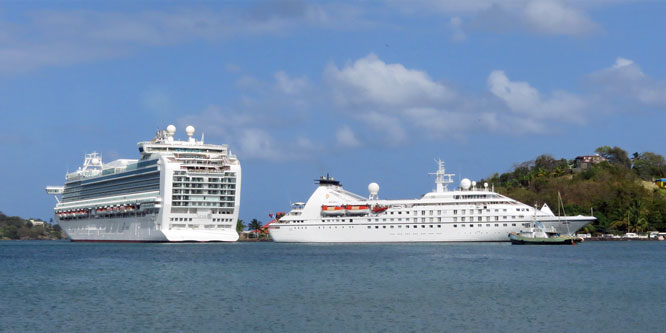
(62, 286)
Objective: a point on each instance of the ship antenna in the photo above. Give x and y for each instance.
(442, 179)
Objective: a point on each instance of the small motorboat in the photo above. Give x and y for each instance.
(538, 234)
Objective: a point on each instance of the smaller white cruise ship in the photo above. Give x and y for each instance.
(466, 214)
(177, 191)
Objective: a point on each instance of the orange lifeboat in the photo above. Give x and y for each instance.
(332, 210)
(357, 209)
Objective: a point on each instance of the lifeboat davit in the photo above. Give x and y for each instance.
(333, 210)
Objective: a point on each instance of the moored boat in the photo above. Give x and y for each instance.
(538, 234)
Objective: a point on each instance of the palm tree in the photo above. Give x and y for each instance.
(255, 225)
(635, 218)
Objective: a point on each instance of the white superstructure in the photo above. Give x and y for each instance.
(466, 214)
(178, 191)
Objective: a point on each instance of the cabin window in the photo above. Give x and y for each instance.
(455, 225)
(455, 211)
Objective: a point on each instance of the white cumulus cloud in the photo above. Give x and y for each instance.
(370, 81)
(526, 100)
(626, 80)
(557, 18)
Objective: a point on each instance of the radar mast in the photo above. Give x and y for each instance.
(442, 179)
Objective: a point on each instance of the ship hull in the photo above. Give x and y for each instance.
(397, 233)
(137, 229)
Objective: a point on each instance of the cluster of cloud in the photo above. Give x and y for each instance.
(49, 38)
(267, 123)
(65, 37)
(399, 103)
(625, 80)
(379, 102)
(548, 17)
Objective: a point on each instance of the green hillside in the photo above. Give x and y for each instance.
(14, 227)
(619, 192)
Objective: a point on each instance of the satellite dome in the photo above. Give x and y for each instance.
(373, 188)
(485, 185)
(465, 184)
(171, 130)
(95, 161)
(189, 130)
(473, 184)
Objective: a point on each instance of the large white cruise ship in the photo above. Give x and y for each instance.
(466, 214)
(178, 191)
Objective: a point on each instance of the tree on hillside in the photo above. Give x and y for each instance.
(648, 165)
(615, 155)
(545, 162)
(240, 226)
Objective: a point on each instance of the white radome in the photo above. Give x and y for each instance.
(189, 130)
(465, 184)
(171, 129)
(373, 188)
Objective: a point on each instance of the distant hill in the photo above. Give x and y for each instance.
(14, 227)
(618, 190)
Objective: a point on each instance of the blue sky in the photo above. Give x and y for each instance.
(367, 91)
